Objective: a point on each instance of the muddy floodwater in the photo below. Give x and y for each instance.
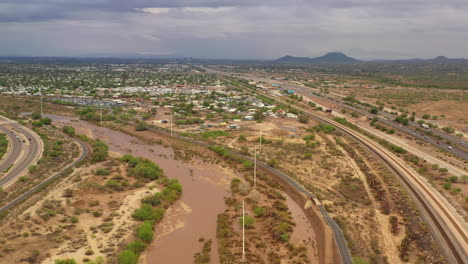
(194, 215)
(303, 232)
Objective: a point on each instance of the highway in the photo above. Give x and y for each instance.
(448, 228)
(13, 151)
(458, 145)
(25, 150)
(84, 153)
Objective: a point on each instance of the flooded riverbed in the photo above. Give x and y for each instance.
(194, 215)
(303, 233)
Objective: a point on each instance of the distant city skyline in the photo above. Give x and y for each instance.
(235, 29)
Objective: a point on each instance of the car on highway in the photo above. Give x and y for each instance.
(450, 147)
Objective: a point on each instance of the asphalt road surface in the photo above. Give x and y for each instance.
(83, 155)
(457, 145)
(25, 150)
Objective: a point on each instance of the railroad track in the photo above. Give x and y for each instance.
(456, 238)
(457, 251)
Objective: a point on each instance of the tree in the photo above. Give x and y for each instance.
(303, 119)
(464, 178)
(374, 110)
(128, 257)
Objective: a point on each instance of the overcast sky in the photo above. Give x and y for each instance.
(243, 29)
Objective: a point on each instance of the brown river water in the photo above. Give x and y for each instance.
(194, 215)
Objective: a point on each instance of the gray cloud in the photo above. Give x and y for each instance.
(235, 28)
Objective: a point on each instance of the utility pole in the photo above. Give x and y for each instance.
(172, 119)
(243, 232)
(261, 132)
(100, 110)
(41, 103)
(255, 167)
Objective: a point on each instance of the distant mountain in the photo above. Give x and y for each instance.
(332, 57)
(438, 59)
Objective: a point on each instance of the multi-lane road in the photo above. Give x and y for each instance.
(447, 226)
(25, 149)
(456, 146)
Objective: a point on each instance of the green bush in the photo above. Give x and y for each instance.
(151, 200)
(248, 221)
(46, 121)
(100, 151)
(141, 126)
(146, 212)
(136, 247)
(102, 172)
(37, 123)
(36, 115)
(259, 211)
(326, 128)
(247, 164)
(70, 131)
(148, 169)
(145, 231)
(131, 160)
(128, 257)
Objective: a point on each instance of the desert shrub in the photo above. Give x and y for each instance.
(37, 123)
(248, 221)
(130, 160)
(151, 199)
(147, 212)
(145, 231)
(136, 246)
(259, 211)
(141, 126)
(102, 172)
(69, 130)
(247, 164)
(127, 257)
(148, 169)
(46, 121)
(100, 151)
